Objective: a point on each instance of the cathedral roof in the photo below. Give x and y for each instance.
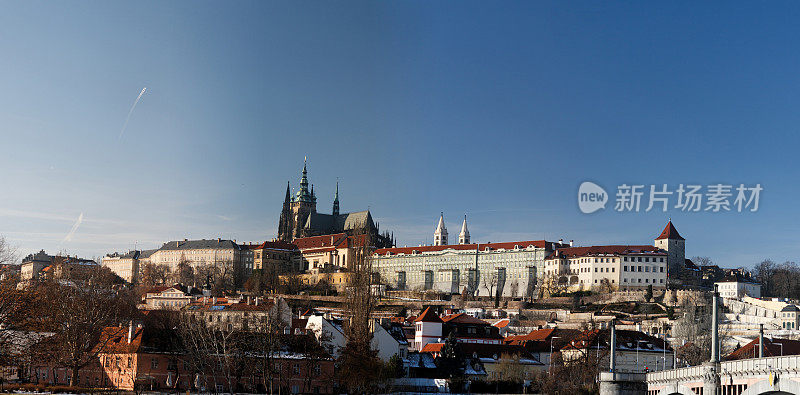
(670, 233)
(328, 223)
(440, 228)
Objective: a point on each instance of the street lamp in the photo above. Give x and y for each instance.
(637, 352)
(550, 369)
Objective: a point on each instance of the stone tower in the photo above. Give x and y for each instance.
(671, 241)
(463, 237)
(440, 236)
(296, 209)
(336, 200)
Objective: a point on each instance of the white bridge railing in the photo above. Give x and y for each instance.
(744, 366)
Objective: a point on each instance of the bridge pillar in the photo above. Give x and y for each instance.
(612, 383)
(711, 382)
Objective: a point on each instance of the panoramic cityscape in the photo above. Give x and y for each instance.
(399, 197)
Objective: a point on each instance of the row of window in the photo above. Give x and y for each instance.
(639, 269)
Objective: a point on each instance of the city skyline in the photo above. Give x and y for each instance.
(495, 113)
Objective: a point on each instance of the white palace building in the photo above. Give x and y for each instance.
(521, 268)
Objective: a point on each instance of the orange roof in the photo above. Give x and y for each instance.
(772, 348)
(670, 233)
(502, 323)
(428, 316)
(320, 241)
(492, 246)
(433, 347)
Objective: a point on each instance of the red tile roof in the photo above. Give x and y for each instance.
(502, 323)
(428, 316)
(670, 233)
(461, 247)
(570, 252)
(772, 348)
(433, 347)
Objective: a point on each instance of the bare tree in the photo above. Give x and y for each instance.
(359, 364)
(152, 274)
(8, 253)
(77, 315)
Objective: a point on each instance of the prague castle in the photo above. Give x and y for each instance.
(299, 217)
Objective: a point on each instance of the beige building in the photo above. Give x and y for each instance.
(41, 265)
(127, 265)
(240, 314)
(606, 268)
(169, 298)
(278, 255)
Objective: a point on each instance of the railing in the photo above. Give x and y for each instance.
(676, 374)
(789, 362)
(786, 363)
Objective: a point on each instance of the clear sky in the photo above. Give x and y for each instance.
(494, 110)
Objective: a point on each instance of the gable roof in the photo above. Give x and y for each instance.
(773, 347)
(462, 318)
(428, 316)
(670, 233)
(199, 244)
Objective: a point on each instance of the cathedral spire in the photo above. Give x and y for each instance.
(440, 236)
(303, 195)
(336, 200)
(288, 197)
(463, 237)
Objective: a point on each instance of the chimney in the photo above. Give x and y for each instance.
(249, 299)
(214, 300)
(560, 241)
(219, 239)
(130, 331)
(177, 244)
(570, 243)
(256, 300)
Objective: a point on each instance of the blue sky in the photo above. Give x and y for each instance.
(497, 111)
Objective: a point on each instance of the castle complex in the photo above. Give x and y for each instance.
(299, 218)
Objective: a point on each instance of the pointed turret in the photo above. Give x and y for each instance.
(463, 237)
(670, 233)
(303, 195)
(440, 236)
(336, 200)
(288, 197)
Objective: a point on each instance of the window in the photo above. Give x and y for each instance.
(625, 268)
(639, 269)
(154, 363)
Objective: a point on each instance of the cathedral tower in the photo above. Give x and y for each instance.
(336, 200)
(440, 236)
(463, 237)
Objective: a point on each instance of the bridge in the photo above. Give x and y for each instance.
(774, 375)
(756, 376)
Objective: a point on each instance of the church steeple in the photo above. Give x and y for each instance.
(440, 236)
(303, 195)
(288, 197)
(336, 200)
(463, 237)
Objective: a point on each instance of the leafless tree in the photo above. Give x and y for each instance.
(8, 253)
(359, 364)
(184, 272)
(152, 274)
(77, 315)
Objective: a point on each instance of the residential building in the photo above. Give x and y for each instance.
(543, 343)
(790, 317)
(127, 265)
(485, 361)
(243, 314)
(429, 327)
(606, 268)
(41, 265)
(737, 289)
(635, 352)
(169, 297)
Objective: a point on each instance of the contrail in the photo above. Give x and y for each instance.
(71, 233)
(131, 112)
